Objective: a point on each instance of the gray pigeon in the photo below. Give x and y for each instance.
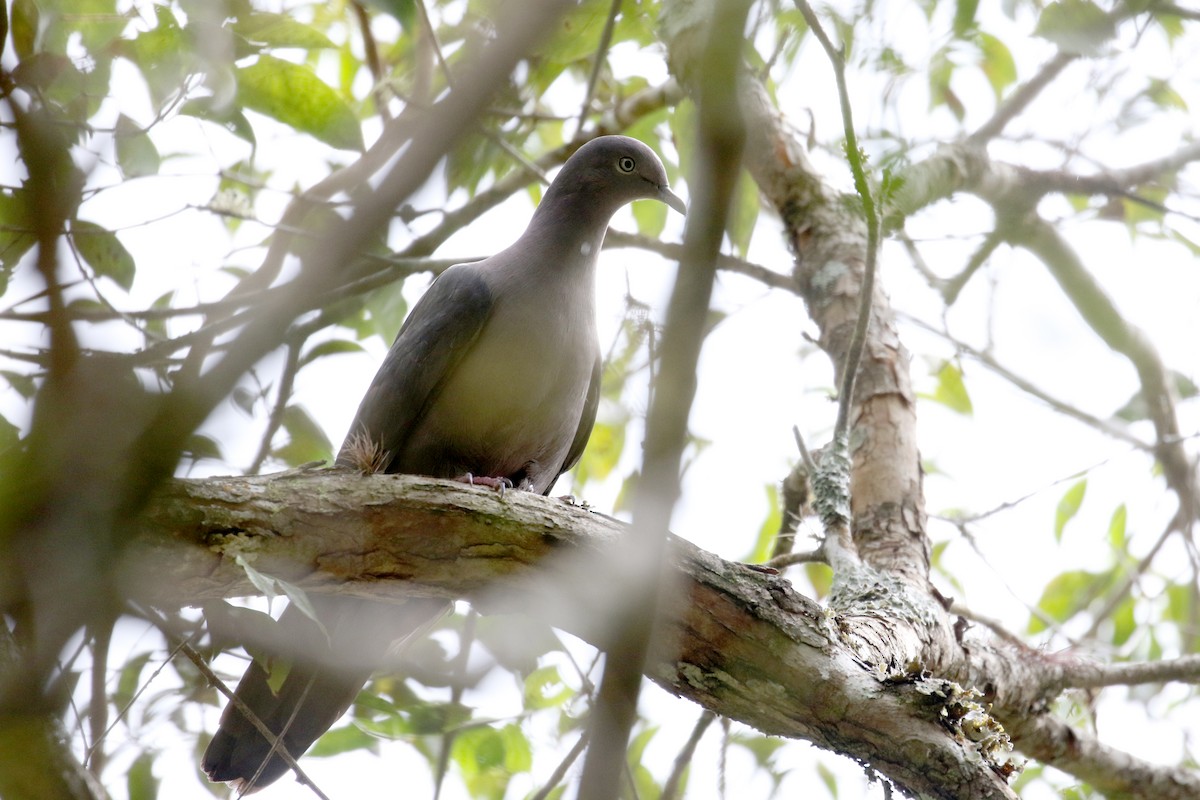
(494, 378)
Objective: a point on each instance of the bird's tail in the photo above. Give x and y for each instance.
(328, 668)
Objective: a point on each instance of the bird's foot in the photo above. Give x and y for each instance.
(572, 500)
(499, 484)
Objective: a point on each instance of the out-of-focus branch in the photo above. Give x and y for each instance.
(719, 139)
(1102, 315)
(1020, 99)
(1104, 426)
(1112, 772)
(1083, 675)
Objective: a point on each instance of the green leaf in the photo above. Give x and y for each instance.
(951, 391)
(650, 216)
(639, 743)
(280, 30)
(1078, 27)
(544, 688)
(140, 782)
(997, 63)
(1116, 529)
(136, 154)
(22, 383)
(164, 55)
(329, 348)
(16, 236)
(307, 441)
(199, 446)
(744, 213)
(1124, 622)
(103, 252)
(1065, 596)
(1068, 507)
(130, 679)
(603, 452)
(964, 16)
(264, 583)
(24, 26)
(941, 71)
(577, 34)
(518, 755)
(387, 309)
(294, 95)
(821, 578)
(403, 10)
(226, 115)
(829, 778)
(345, 739)
(765, 542)
(299, 598)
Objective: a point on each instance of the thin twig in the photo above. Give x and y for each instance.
(855, 158)
(671, 788)
(598, 62)
(190, 653)
(371, 50)
(560, 771)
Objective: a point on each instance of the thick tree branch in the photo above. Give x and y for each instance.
(741, 643)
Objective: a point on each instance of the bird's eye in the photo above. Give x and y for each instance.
(625, 164)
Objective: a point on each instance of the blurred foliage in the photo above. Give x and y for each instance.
(148, 91)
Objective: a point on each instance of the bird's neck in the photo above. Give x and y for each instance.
(567, 223)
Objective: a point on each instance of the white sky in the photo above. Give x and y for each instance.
(753, 388)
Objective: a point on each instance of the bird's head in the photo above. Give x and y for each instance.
(615, 170)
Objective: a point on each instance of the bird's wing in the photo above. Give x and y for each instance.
(433, 339)
(586, 420)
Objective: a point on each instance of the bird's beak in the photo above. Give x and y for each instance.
(672, 199)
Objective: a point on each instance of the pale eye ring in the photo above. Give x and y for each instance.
(625, 164)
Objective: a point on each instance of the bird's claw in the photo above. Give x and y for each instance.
(572, 500)
(499, 484)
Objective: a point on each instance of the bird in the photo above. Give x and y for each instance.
(493, 379)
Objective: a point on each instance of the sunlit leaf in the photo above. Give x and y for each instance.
(997, 63)
(651, 217)
(294, 95)
(280, 30)
(951, 391)
(1124, 622)
(829, 778)
(163, 55)
(544, 688)
(941, 71)
(603, 453)
(1066, 595)
(764, 543)
(964, 16)
(330, 347)
(1078, 27)
(1116, 529)
(1068, 507)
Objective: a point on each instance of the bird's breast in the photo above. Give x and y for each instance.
(517, 396)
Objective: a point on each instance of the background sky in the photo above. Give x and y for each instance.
(759, 376)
